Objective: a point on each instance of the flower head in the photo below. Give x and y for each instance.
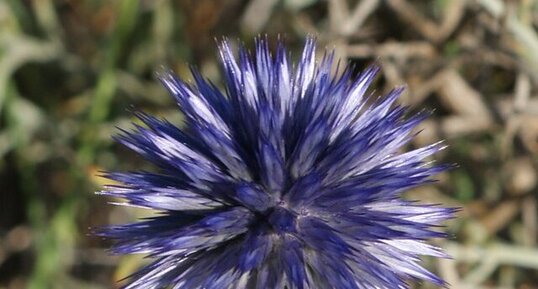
(291, 178)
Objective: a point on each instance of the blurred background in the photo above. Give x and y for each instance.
(70, 70)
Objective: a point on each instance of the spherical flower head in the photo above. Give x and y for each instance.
(287, 178)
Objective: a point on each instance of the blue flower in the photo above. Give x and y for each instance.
(289, 178)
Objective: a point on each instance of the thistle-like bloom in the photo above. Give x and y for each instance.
(290, 178)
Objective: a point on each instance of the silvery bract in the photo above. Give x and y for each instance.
(291, 177)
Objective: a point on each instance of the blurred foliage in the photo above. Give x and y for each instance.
(70, 71)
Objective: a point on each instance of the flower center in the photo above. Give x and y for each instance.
(282, 220)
